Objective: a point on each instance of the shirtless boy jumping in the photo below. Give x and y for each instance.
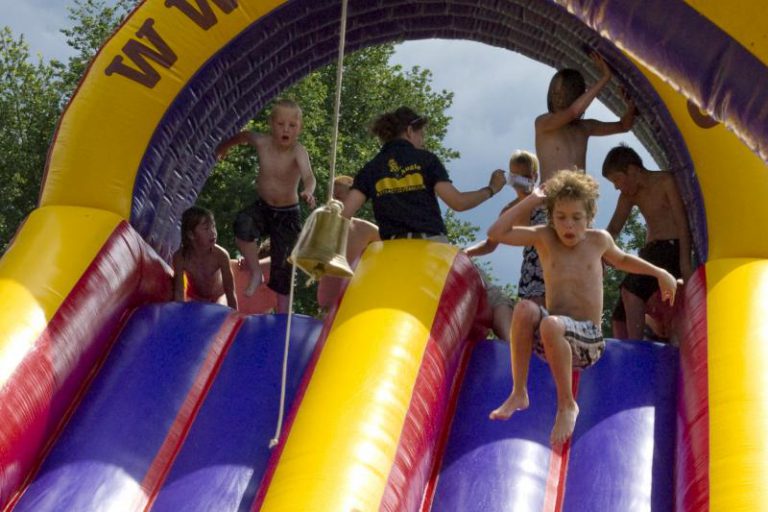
(561, 143)
(567, 332)
(283, 161)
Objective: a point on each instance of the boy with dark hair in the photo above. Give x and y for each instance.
(668, 240)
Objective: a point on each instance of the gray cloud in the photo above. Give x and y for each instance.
(40, 22)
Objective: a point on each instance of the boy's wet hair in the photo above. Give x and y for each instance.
(527, 159)
(569, 84)
(619, 159)
(391, 125)
(284, 103)
(190, 219)
(572, 185)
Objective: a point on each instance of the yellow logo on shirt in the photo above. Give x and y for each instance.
(414, 181)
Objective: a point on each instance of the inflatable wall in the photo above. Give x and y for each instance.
(135, 145)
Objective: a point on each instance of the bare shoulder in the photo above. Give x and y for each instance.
(542, 117)
(300, 151)
(662, 176)
(544, 233)
(599, 238)
(259, 139)
(221, 254)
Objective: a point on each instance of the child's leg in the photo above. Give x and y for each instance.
(619, 328)
(560, 360)
(502, 321)
(282, 303)
(250, 251)
(634, 307)
(525, 318)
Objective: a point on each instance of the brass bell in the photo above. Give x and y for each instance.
(322, 245)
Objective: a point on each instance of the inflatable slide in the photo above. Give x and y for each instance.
(379, 419)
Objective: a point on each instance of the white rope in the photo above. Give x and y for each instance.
(273, 442)
(311, 220)
(337, 101)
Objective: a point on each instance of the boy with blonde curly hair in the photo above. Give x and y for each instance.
(567, 332)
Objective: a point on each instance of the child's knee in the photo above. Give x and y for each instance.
(551, 329)
(526, 311)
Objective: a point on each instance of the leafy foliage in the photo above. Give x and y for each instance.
(94, 21)
(29, 108)
(631, 239)
(32, 98)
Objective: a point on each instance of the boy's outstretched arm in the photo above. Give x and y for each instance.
(554, 120)
(244, 137)
(634, 265)
(600, 128)
(512, 228)
(308, 181)
(481, 248)
(620, 216)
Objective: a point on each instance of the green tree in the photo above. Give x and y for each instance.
(32, 97)
(230, 186)
(93, 22)
(631, 239)
(29, 107)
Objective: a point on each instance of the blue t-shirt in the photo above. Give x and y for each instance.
(400, 181)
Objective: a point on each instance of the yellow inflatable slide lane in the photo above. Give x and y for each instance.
(375, 407)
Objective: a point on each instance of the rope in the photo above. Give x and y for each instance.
(337, 100)
(310, 222)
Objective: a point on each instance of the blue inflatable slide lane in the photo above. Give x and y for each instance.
(180, 416)
(621, 456)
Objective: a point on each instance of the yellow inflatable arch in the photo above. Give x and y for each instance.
(136, 144)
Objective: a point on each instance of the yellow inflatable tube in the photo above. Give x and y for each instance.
(341, 448)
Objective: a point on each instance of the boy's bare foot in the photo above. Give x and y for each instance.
(253, 285)
(514, 402)
(565, 421)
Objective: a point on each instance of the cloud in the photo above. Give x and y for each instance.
(40, 21)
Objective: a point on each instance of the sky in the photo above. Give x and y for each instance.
(497, 96)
